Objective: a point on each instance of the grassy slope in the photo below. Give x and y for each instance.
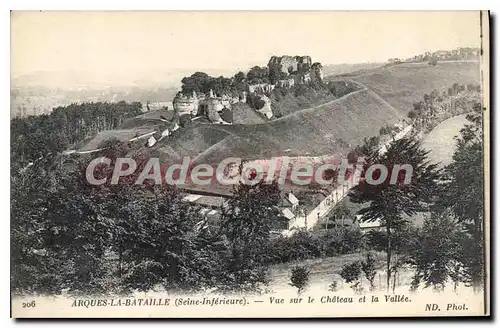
(122, 135)
(402, 85)
(440, 141)
(312, 132)
(317, 131)
(148, 119)
(243, 114)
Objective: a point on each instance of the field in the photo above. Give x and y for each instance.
(404, 84)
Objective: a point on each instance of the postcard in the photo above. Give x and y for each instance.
(240, 164)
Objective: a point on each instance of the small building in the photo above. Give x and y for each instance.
(288, 200)
(211, 202)
(366, 226)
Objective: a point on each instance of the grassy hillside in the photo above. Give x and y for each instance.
(147, 120)
(190, 141)
(404, 84)
(337, 69)
(332, 128)
(243, 114)
(440, 141)
(122, 135)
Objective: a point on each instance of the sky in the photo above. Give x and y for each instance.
(116, 46)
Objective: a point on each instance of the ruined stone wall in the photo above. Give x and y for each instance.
(317, 72)
(225, 103)
(261, 88)
(186, 105)
(303, 63)
(298, 78)
(286, 63)
(287, 83)
(212, 111)
(306, 77)
(290, 64)
(214, 104)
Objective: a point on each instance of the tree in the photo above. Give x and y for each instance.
(34, 137)
(255, 101)
(227, 115)
(299, 278)
(391, 203)
(247, 222)
(412, 114)
(463, 193)
(185, 120)
(275, 73)
(351, 273)
(60, 234)
(300, 246)
(164, 242)
(258, 74)
(64, 230)
(368, 268)
(369, 148)
(31, 267)
(437, 252)
(239, 77)
(352, 156)
(197, 82)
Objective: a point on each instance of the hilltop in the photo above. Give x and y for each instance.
(404, 84)
(332, 128)
(386, 96)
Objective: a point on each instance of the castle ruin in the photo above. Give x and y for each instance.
(294, 70)
(299, 68)
(208, 105)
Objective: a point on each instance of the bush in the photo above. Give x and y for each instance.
(344, 240)
(299, 278)
(351, 273)
(255, 102)
(341, 88)
(185, 120)
(333, 287)
(302, 245)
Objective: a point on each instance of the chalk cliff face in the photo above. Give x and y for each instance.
(266, 110)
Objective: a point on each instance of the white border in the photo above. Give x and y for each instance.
(186, 5)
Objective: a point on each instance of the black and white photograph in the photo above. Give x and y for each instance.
(236, 164)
